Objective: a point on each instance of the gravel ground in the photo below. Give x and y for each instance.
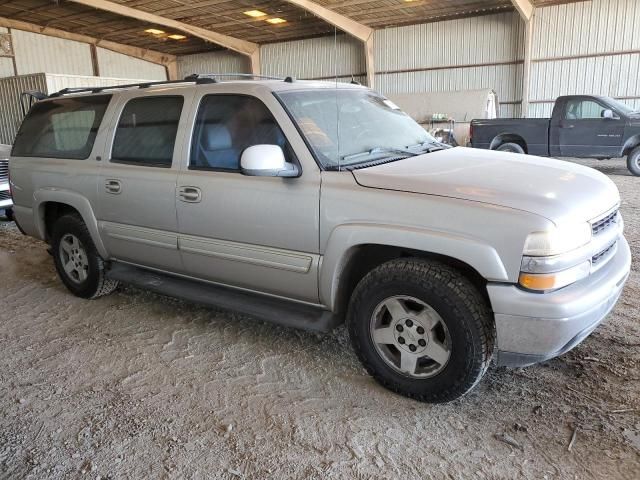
(135, 385)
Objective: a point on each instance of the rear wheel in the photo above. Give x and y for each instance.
(633, 161)
(511, 147)
(421, 329)
(79, 266)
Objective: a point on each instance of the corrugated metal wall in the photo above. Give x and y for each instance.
(589, 47)
(11, 113)
(465, 54)
(339, 56)
(113, 64)
(223, 61)
(36, 53)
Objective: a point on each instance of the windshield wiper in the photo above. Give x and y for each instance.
(429, 146)
(379, 150)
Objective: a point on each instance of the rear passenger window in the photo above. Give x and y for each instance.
(146, 132)
(226, 125)
(61, 128)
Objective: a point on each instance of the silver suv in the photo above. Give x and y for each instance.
(309, 204)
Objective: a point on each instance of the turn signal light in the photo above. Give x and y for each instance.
(552, 281)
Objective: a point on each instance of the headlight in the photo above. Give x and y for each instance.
(557, 241)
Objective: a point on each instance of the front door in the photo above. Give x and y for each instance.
(256, 233)
(136, 188)
(584, 132)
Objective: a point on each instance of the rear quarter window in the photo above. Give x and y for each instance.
(61, 128)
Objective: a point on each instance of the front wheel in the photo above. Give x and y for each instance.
(421, 329)
(633, 161)
(79, 266)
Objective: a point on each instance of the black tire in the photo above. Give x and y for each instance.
(8, 213)
(96, 283)
(461, 307)
(511, 147)
(633, 161)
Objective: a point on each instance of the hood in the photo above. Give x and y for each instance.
(560, 191)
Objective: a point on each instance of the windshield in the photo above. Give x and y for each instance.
(622, 108)
(349, 127)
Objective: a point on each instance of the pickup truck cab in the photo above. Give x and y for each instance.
(310, 204)
(581, 126)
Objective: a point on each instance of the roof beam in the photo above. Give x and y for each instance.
(136, 52)
(525, 8)
(347, 25)
(232, 43)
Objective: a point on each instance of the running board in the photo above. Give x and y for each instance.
(263, 307)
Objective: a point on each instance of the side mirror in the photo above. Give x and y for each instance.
(266, 161)
(608, 114)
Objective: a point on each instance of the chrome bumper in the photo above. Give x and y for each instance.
(5, 197)
(535, 327)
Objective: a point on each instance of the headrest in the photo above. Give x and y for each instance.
(216, 137)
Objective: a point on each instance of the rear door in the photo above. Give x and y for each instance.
(257, 233)
(584, 132)
(136, 187)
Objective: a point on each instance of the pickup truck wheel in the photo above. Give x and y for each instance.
(510, 147)
(633, 161)
(78, 264)
(421, 329)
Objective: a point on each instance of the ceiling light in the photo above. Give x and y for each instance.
(254, 13)
(155, 31)
(177, 36)
(276, 20)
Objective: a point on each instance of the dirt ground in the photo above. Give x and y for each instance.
(135, 385)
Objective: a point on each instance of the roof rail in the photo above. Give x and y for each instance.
(225, 75)
(197, 78)
(66, 91)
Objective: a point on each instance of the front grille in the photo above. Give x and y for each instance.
(5, 195)
(601, 256)
(604, 223)
(4, 170)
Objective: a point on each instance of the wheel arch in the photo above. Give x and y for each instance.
(630, 144)
(353, 251)
(49, 205)
(508, 138)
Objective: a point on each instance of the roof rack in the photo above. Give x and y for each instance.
(66, 91)
(197, 78)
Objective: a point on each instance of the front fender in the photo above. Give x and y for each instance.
(345, 239)
(630, 144)
(73, 199)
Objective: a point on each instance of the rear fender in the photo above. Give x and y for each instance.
(73, 199)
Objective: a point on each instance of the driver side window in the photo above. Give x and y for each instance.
(584, 110)
(226, 125)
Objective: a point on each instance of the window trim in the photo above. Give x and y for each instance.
(64, 157)
(294, 160)
(175, 142)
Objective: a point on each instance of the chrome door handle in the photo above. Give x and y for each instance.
(190, 194)
(113, 186)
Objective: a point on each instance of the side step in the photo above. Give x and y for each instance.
(263, 307)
